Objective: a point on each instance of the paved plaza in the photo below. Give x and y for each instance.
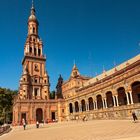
(90, 130)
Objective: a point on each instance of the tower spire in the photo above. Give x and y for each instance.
(32, 3)
(32, 8)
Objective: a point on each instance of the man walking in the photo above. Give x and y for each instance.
(134, 116)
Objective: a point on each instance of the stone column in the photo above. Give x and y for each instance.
(131, 98)
(96, 107)
(105, 103)
(114, 102)
(33, 93)
(39, 92)
(117, 100)
(87, 107)
(93, 105)
(73, 108)
(80, 108)
(128, 103)
(33, 50)
(37, 51)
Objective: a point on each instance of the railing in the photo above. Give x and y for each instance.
(4, 129)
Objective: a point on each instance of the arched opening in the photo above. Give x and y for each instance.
(39, 115)
(90, 102)
(122, 96)
(33, 30)
(36, 91)
(136, 92)
(35, 51)
(99, 102)
(109, 99)
(71, 108)
(83, 103)
(76, 106)
(30, 49)
(39, 52)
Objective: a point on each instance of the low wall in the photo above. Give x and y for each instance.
(4, 129)
(121, 112)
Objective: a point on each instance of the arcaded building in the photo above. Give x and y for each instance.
(114, 94)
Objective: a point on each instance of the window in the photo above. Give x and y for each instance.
(45, 81)
(35, 80)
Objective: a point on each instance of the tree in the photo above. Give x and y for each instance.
(6, 102)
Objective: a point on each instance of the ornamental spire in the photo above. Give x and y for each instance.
(32, 3)
(32, 9)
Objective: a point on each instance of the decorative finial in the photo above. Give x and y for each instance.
(32, 8)
(32, 3)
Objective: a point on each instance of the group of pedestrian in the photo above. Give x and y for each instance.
(84, 119)
(24, 124)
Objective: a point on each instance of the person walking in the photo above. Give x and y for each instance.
(37, 124)
(24, 123)
(134, 116)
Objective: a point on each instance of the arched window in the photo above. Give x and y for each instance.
(99, 102)
(90, 102)
(109, 99)
(76, 106)
(122, 96)
(83, 104)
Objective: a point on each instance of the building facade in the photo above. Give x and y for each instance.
(114, 94)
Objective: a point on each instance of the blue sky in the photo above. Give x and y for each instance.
(94, 33)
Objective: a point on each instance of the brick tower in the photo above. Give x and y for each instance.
(32, 101)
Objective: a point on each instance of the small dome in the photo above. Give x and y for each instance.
(32, 18)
